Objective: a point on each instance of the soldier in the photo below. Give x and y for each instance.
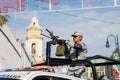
(77, 52)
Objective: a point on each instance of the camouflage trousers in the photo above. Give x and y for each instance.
(77, 71)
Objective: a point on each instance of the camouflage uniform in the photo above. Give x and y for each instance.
(78, 52)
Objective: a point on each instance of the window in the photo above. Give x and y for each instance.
(34, 24)
(33, 50)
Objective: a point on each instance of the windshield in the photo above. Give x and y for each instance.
(49, 78)
(8, 79)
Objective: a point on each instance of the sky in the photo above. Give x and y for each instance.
(95, 23)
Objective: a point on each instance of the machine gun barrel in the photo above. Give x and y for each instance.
(53, 37)
(49, 31)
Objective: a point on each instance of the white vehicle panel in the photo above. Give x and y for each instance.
(30, 75)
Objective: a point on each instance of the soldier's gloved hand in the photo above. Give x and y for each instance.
(77, 46)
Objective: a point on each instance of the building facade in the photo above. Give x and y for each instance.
(34, 41)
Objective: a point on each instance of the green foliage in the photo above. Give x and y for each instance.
(3, 19)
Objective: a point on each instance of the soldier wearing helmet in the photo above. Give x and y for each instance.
(78, 51)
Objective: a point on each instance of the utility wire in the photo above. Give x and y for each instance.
(79, 16)
(88, 18)
(65, 13)
(85, 17)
